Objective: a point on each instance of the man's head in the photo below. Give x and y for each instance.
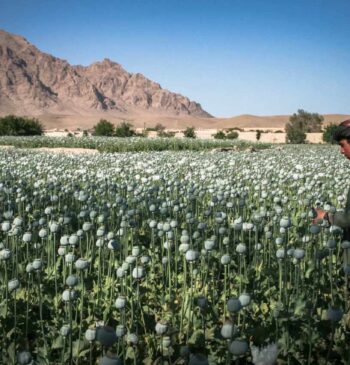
(342, 136)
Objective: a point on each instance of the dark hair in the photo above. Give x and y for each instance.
(342, 131)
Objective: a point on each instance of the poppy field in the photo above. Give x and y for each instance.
(173, 257)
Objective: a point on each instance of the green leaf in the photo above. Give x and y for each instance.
(197, 339)
(57, 343)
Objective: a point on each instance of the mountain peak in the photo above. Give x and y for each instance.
(33, 82)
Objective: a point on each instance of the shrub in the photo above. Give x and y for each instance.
(12, 125)
(189, 132)
(164, 134)
(232, 135)
(328, 132)
(219, 135)
(124, 129)
(103, 128)
(258, 134)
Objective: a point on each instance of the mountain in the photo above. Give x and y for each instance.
(34, 83)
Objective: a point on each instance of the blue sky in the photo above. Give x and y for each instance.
(234, 57)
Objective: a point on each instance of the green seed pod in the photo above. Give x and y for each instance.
(238, 347)
(234, 305)
(106, 336)
(110, 360)
(198, 359)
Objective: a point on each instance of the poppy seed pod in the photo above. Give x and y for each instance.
(315, 229)
(132, 339)
(209, 245)
(5, 226)
(345, 245)
(110, 359)
(106, 336)
(241, 248)
(68, 295)
(120, 330)
(228, 330)
(120, 302)
(65, 330)
(138, 272)
(192, 255)
(90, 334)
(81, 264)
(24, 358)
(121, 272)
(202, 302)
(244, 299)
(299, 253)
(225, 259)
(42, 233)
(70, 258)
(161, 328)
(13, 285)
(54, 227)
(184, 247)
(72, 281)
(281, 253)
(238, 347)
(29, 268)
(166, 341)
(5, 254)
(234, 305)
(198, 359)
(334, 314)
(27, 237)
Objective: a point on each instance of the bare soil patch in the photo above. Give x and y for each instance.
(86, 151)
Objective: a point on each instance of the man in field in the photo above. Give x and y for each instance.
(340, 219)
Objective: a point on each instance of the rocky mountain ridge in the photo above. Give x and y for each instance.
(33, 82)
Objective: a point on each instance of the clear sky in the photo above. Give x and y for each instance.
(262, 57)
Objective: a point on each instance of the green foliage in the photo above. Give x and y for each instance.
(124, 129)
(103, 128)
(302, 123)
(236, 129)
(189, 132)
(258, 134)
(85, 133)
(295, 135)
(232, 134)
(310, 122)
(164, 134)
(107, 144)
(219, 135)
(12, 125)
(328, 132)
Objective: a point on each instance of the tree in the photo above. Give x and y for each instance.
(12, 125)
(189, 132)
(302, 123)
(103, 128)
(295, 135)
(219, 135)
(124, 129)
(328, 133)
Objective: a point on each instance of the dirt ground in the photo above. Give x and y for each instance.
(249, 135)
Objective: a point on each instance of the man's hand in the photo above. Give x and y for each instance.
(320, 215)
